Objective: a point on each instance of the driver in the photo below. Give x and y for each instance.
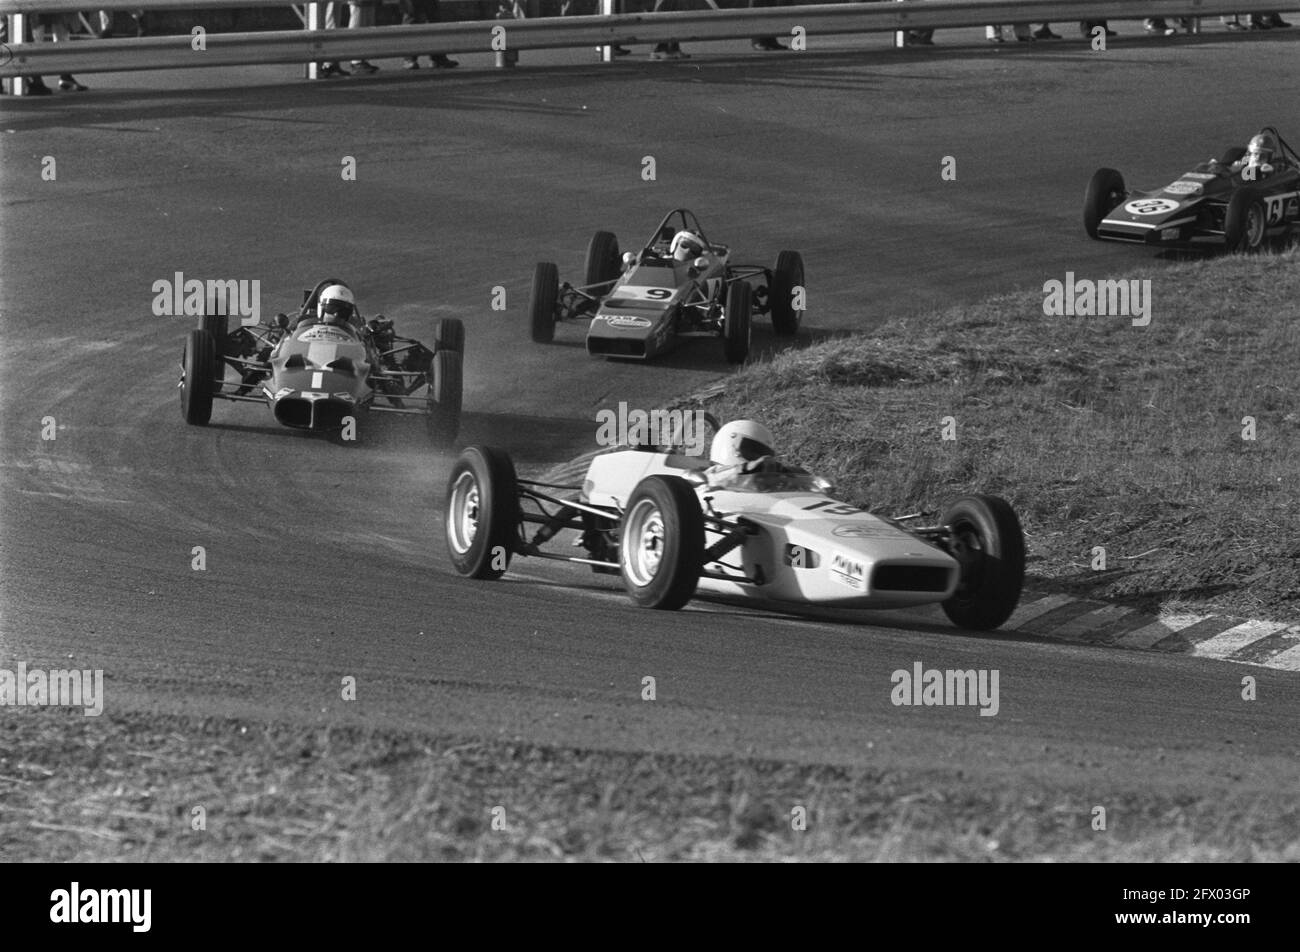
(1260, 153)
(686, 246)
(336, 304)
(740, 448)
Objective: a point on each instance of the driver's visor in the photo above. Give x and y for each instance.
(338, 309)
(751, 450)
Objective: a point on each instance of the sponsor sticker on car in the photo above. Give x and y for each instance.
(848, 571)
(625, 320)
(1203, 176)
(323, 333)
(1184, 188)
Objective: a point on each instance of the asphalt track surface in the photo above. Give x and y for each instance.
(326, 559)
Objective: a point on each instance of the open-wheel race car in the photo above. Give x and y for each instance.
(659, 520)
(317, 374)
(1238, 200)
(679, 284)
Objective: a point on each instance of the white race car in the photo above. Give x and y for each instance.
(658, 520)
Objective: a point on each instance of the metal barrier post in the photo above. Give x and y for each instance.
(315, 21)
(606, 52)
(17, 33)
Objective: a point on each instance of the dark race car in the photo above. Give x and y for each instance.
(1234, 200)
(316, 375)
(678, 285)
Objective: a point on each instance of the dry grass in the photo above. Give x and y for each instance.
(1101, 433)
(125, 787)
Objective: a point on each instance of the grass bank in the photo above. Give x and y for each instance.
(1101, 433)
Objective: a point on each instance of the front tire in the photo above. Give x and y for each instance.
(198, 385)
(445, 388)
(1245, 222)
(604, 263)
(661, 547)
(990, 545)
(1105, 191)
(449, 334)
(787, 276)
(542, 302)
(737, 324)
(482, 512)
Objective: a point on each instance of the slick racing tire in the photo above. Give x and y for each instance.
(990, 547)
(198, 385)
(482, 512)
(1105, 191)
(542, 301)
(661, 543)
(445, 388)
(737, 324)
(218, 325)
(787, 276)
(1245, 223)
(604, 263)
(449, 334)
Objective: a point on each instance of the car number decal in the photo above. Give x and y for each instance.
(1150, 206)
(1276, 206)
(645, 294)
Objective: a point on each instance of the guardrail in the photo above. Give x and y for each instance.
(480, 36)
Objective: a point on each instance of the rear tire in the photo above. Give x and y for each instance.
(1105, 191)
(482, 512)
(198, 385)
(1245, 225)
(449, 334)
(661, 543)
(737, 324)
(786, 277)
(445, 387)
(604, 263)
(542, 302)
(218, 325)
(990, 545)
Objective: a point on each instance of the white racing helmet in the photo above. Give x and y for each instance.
(336, 305)
(686, 246)
(741, 441)
(1261, 149)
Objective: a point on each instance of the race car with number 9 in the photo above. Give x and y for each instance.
(678, 285)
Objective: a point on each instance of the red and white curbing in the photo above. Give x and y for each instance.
(1058, 617)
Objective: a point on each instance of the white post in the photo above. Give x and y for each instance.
(315, 21)
(606, 52)
(17, 27)
(900, 38)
